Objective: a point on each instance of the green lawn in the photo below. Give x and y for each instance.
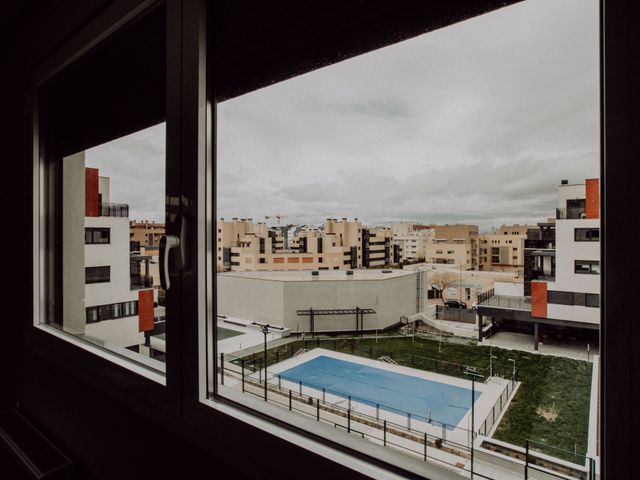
(545, 381)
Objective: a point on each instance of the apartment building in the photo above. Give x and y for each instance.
(146, 234)
(118, 303)
(503, 250)
(454, 245)
(573, 296)
(411, 241)
(561, 291)
(337, 245)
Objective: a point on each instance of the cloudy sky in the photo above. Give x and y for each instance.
(477, 122)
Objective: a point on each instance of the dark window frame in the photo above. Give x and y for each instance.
(98, 274)
(92, 231)
(588, 237)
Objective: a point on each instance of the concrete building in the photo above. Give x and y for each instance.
(145, 233)
(337, 245)
(411, 241)
(335, 298)
(118, 302)
(503, 251)
(561, 292)
(454, 245)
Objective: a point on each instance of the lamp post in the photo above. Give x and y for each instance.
(513, 374)
(491, 357)
(264, 327)
(473, 376)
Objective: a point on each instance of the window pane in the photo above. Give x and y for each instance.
(430, 177)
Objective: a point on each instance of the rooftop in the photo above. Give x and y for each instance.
(323, 275)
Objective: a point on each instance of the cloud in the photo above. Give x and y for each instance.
(477, 122)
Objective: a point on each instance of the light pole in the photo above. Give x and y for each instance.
(513, 374)
(491, 357)
(264, 327)
(473, 376)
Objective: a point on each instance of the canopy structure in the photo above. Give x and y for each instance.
(358, 312)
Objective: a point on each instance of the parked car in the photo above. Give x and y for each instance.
(455, 304)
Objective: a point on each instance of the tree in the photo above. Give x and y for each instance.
(444, 280)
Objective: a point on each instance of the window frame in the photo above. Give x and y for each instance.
(98, 368)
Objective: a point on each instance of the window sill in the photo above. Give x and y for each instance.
(151, 369)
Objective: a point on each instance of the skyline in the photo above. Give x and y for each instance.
(484, 138)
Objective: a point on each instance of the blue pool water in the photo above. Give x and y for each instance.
(394, 392)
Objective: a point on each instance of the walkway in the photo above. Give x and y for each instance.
(522, 341)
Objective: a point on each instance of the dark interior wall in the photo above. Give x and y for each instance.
(109, 440)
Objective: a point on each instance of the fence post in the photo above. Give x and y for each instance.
(279, 382)
(318, 409)
(349, 420)
(300, 387)
(222, 368)
(323, 395)
(425, 446)
(384, 435)
(409, 421)
(289, 399)
(349, 398)
(377, 411)
(526, 460)
(242, 363)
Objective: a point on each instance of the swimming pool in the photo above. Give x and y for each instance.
(392, 391)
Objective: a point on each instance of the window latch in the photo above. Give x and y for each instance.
(167, 243)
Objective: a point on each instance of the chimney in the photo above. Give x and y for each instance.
(564, 182)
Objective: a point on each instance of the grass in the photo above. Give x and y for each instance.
(546, 380)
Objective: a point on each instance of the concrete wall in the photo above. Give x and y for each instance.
(250, 298)
(275, 301)
(73, 251)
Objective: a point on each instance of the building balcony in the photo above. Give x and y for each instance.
(114, 210)
(565, 213)
(141, 281)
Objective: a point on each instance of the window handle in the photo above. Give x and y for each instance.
(167, 242)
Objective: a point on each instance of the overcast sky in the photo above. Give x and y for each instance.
(477, 122)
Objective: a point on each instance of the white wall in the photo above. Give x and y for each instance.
(116, 255)
(576, 313)
(568, 250)
(121, 331)
(73, 209)
(512, 289)
(570, 192)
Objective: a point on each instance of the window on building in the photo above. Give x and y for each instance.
(97, 274)
(587, 234)
(560, 298)
(587, 266)
(97, 235)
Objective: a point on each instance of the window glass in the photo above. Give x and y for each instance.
(431, 148)
(103, 174)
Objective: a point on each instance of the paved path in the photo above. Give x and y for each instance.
(524, 342)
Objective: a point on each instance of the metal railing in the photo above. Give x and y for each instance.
(343, 411)
(114, 210)
(497, 408)
(455, 314)
(483, 297)
(141, 281)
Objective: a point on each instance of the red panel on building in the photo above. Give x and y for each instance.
(539, 299)
(592, 187)
(91, 191)
(145, 310)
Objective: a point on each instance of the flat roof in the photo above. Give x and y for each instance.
(324, 275)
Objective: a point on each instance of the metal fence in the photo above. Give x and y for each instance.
(455, 314)
(416, 437)
(497, 408)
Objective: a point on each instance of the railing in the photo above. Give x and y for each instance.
(114, 210)
(455, 314)
(417, 437)
(141, 281)
(497, 408)
(483, 297)
(537, 463)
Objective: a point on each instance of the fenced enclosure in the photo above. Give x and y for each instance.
(463, 315)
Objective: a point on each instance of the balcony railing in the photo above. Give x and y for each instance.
(114, 210)
(141, 281)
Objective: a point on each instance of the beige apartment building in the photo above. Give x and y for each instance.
(147, 233)
(454, 245)
(412, 241)
(503, 251)
(338, 244)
